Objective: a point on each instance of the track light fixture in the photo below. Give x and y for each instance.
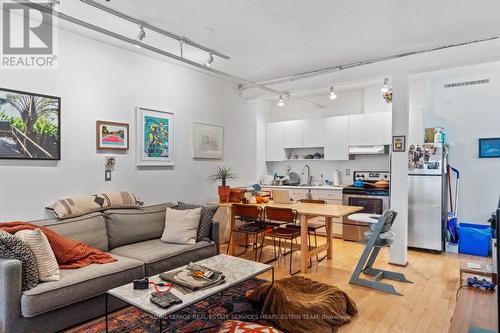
(280, 102)
(333, 95)
(140, 36)
(385, 88)
(210, 60)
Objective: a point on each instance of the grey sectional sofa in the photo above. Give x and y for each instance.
(131, 235)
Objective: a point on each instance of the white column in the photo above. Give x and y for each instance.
(399, 169)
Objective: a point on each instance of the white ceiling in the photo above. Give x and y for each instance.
(269, 39)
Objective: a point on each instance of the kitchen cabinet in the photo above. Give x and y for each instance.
(370, 129)
(293, 134)
(274, 142)
(387, 137)
(357, 130)
(313, 133)
(336, 132)
(374, 129)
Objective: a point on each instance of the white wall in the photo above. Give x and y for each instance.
(467, 114)
(98, 81)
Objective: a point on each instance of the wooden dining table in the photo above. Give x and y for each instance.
(306, 212)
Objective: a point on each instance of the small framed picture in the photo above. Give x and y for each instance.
(111, 135)
(208, 141)
(399, 143)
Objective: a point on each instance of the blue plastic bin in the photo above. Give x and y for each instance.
(474, 239)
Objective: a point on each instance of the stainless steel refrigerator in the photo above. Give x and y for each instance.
(427, 196)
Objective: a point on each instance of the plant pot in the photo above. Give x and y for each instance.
(224, 192)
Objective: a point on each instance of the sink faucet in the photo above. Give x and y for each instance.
(309, 177)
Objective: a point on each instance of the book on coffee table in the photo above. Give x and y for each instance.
(184, 278)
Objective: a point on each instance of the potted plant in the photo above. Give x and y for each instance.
(223, 174)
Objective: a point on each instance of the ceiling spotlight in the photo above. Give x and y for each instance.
(332, 94)
(210, 60)
(280, 102)
(142, 34)
(385, 88)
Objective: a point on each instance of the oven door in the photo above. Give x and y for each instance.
(354, 230)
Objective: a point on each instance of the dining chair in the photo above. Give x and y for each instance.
(251, 216)
(312, 227)
(281, 216)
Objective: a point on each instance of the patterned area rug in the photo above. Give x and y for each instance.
(205, 316)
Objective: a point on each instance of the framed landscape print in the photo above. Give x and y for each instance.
(111, 135)
(30, 126)
(208, 141)
(155, 137)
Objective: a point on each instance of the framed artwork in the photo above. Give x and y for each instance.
(489, 148)
(208, 141)
(111, 135)
(30, 126)
(399, 143)
(155, 137)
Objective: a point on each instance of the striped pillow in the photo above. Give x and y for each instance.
(48, 269)
(81, 205)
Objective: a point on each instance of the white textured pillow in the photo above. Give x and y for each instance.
(48, 269)
(181, 226)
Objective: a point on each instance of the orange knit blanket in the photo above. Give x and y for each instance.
(69, 253)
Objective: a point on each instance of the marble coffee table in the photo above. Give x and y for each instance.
(236, 270)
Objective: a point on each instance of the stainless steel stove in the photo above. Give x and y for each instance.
(373, 200)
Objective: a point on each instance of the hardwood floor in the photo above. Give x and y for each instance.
(427, 305)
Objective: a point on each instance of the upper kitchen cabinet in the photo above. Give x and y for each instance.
(314, 132)
(274, 142)
(336, 131)
(370, 129)
(293, 134)
(357, 130)
(387, 117)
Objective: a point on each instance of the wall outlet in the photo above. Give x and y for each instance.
(347, 172)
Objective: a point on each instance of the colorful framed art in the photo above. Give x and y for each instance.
(208, 141)
(30, 126)
(155, 137)
(111, 135)
(399, 143)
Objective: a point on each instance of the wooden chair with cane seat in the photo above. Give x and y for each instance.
(313, 226)
(251, 216)
(283, 216)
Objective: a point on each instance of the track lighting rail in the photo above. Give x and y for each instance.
(129, 18)
(332, 69)
(52, 11)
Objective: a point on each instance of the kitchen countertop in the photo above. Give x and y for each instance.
(312, 187)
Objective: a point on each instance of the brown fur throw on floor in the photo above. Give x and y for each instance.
(301, 305)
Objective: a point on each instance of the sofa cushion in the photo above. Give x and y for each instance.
(79, 284)
(89, 229)
(207, 214)
(160, 257)
(127, 226)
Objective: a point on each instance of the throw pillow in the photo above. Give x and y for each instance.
(236, 326)
(12, 247)
(48, 269)
(181, 226)
(77, 206)
(207, 214)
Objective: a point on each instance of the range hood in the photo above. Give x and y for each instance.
(368, 150)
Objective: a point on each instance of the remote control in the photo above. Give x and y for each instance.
(165, 300)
